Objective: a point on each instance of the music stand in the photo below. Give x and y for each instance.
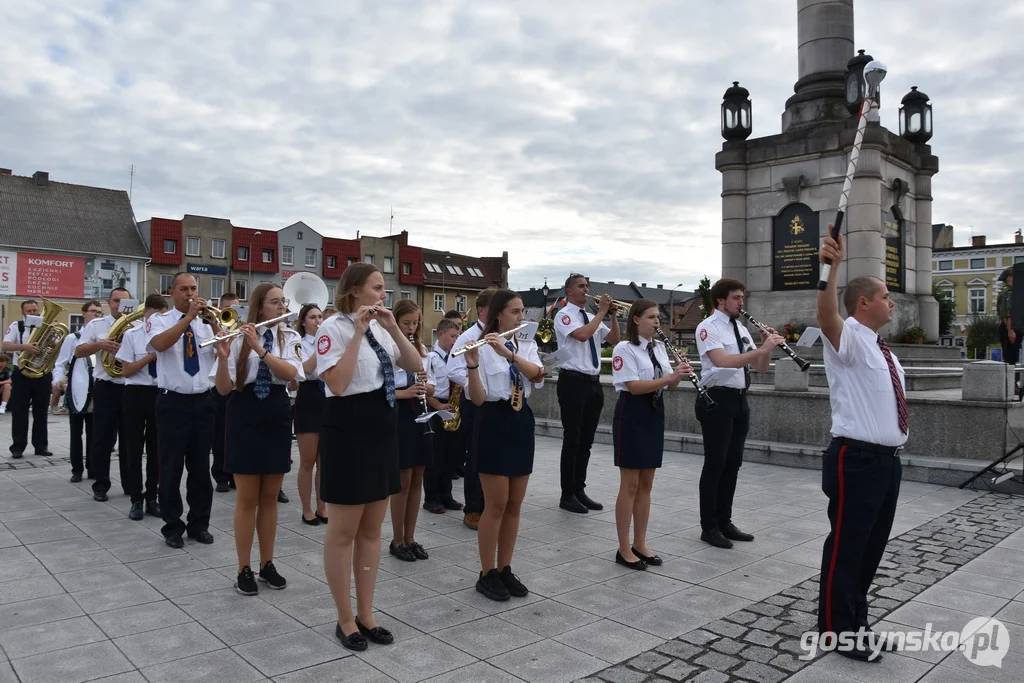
(1006, 456)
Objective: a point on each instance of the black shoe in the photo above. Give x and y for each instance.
(377, 634)
(246, 583)
(715, 538)
(76, 477)
(588, 502)
(434, 507)
(889, 644)
(312, 522)
(512, 583)
(281, 498)
(355, 641)
(231, 484)
(639, 565)
(222, 487)
(202, 536)
(860, 653)
(175, 541)
(44, 452)
(652, 560)
(402, 552)
(417, 550)
(491, 586)
(271, 577)
(17, 454)
(731, 532)
(459, 472)
(572, 504)
(136, 512)
(153, 508)
(451, 504)
(323, 520)
(100, 496)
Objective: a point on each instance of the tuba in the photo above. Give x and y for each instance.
(49, 337)
(117, 330)
(454, 392)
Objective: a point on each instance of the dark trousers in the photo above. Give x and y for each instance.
(219, 426)
(580, 400)
(78, 422)
(139, 428)
(1011, 352)
(471, 488)
(862, 488)
(107, 399)
(184, 435)
(29, 393)
(448, 455)
(724, 429)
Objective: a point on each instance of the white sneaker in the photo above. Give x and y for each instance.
(3, 409)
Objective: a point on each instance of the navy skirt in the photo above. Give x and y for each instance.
(638, 431)
(415, 449)
(502, 439)
(308, 412)
(258, 434)
(359, 449)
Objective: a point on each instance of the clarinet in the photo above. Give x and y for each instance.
(423, 397)
(803, 364)
(702, 392)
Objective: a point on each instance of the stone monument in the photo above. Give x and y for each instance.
(779, 193)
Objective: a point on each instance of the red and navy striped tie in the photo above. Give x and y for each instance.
(901, 399)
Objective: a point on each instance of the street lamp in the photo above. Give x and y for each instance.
(736, 123)
(916, 116)
(671, 308)
(248, 284)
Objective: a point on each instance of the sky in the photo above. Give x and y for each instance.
(575, 135)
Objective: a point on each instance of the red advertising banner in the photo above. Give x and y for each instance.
(51, 276)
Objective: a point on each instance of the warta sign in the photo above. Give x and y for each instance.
(32, 275)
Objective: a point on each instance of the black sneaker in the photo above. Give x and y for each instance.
(136, 512)
(402, 552)
(512, 583)
(270, 575)
(417, 550)
(490, 586)
(434, 506)
(246, 584)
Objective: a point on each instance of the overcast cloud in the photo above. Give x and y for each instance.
(573, 134)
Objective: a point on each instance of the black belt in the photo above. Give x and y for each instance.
(730, 390)
(868, 446)
(577, 373)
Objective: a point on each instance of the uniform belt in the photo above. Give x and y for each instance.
(577, 373)
(730, 390)
(868, 446)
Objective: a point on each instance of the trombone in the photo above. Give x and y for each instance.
(620, 308)
(228, 317)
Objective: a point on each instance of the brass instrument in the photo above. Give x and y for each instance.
(702, 392)
(801, 363)
(116, 334)
(545, 330)
(454, 394)
(617, 308)
(481, 341)
(228, 317)
(48, 337)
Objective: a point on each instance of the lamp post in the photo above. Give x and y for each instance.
(672, 308)
(248, 284)
(916, 116)
(736, 113)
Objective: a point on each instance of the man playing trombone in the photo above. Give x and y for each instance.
(580, 396)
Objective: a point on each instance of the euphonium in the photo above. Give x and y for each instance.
(48, 337)
(454, 392)
(545, 330)
(116, 334)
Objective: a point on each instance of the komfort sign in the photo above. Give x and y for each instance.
(28, 274)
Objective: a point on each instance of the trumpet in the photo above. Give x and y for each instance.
(228, 317)
(617, 307)
(702, 392)
(803, 364)
(237, 332)
(481, 341)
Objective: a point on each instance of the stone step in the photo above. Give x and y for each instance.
(917, 379)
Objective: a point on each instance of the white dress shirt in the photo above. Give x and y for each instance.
(402, 377)
(96, 330)
(290, 351)
(457, 364)
(439, 367)
(631, 362)
(860, 387)
(308, 351)
(334, 336)
(716, 332)
(580, 359)
(64, 356)
(135, 347)
(13, 337)
(494, 372)
(170, 364)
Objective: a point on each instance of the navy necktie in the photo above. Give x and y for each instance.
(593, 346)
(658, 372)
(152, 368)
(385, 364)
(190, 351)
(513, 371)
(742, 344)
(262, 388)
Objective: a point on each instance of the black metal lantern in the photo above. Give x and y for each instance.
(854, 82)
(736, 118)
(916, 116)
(545, 290)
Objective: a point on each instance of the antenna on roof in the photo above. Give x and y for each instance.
(391, 224)
(131, 182)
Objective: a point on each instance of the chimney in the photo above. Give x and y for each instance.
(1017, 237)
(977, 240)
(5, 171)
(41, 178)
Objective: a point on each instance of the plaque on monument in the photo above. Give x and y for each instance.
(795, 238)
(892, 235)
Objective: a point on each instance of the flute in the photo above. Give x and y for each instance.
(702, 392)
(803, 364)
(238, 332)
(481, 341)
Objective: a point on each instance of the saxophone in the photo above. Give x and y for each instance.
(49, 337)
(117, 330)
(454, 392)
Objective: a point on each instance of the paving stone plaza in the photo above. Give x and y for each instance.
(87, 594)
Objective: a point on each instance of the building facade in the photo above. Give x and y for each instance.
(66, 243)
(302, 251)
(971, 275)
(254, 260)
(452, 281)
(199, 245)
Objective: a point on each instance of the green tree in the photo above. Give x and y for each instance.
(704, 292)
(947, 309)
(982, 333)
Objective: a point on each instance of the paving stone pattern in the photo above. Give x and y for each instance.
(762, 641)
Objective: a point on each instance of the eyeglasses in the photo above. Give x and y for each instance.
(279, 302)
(93, 310)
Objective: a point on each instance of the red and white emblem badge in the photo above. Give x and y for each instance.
(323, 344)
(149, 326)
(566, 319)
(617, 363)
(704, 334)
